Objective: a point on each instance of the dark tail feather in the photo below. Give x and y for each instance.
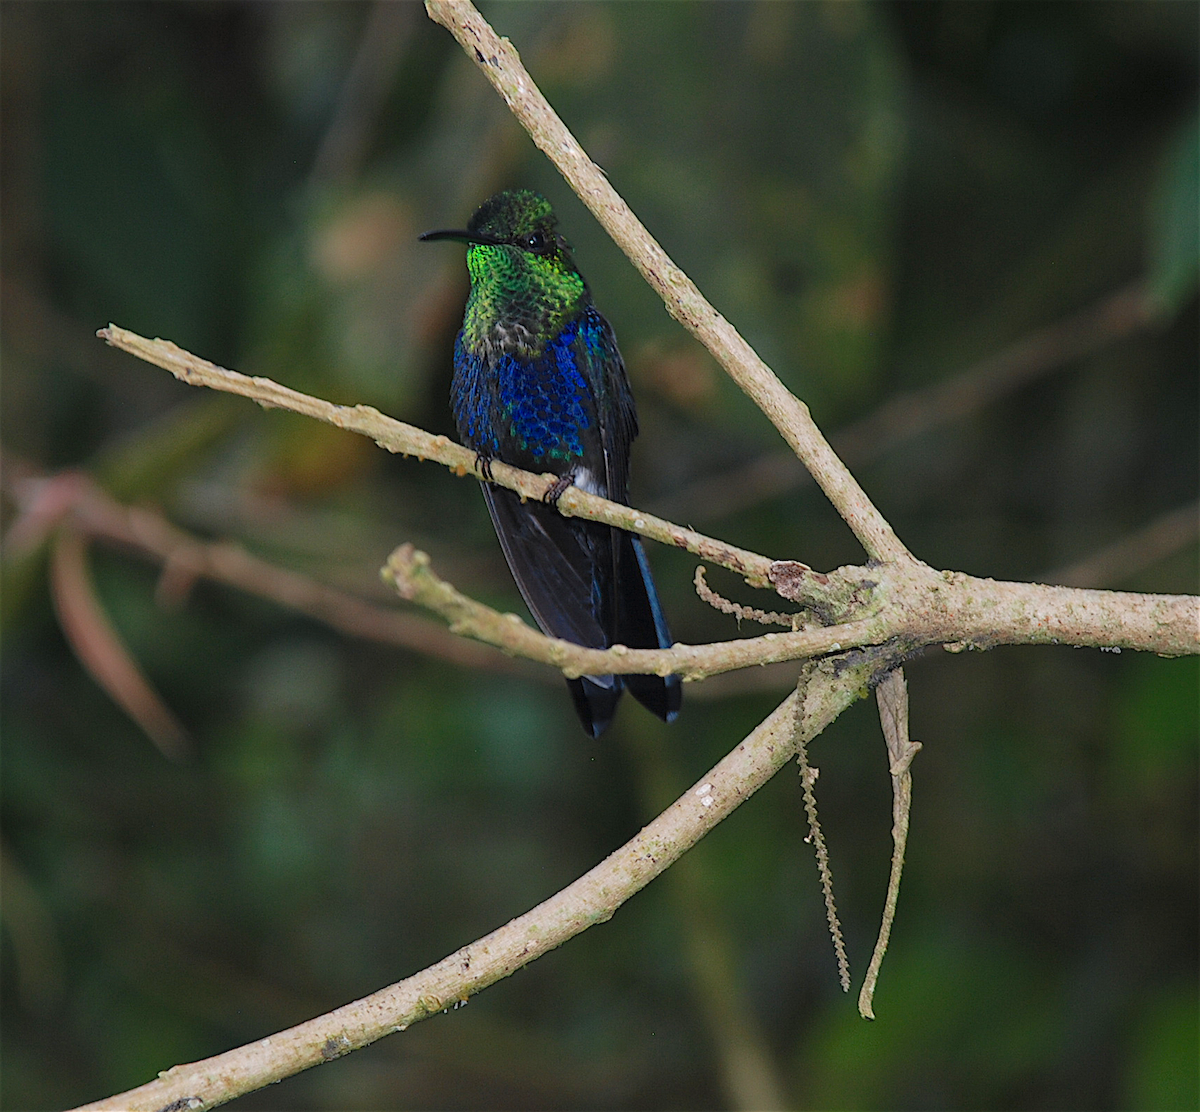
(595, 703)
(556, 562)
(641, 625)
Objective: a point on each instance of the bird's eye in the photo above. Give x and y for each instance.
(535, 241)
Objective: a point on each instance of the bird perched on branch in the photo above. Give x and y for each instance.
(539, 384)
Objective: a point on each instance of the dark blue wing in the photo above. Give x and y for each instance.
(569, 410)
(638, 619)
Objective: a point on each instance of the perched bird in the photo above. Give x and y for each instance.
(539, 384)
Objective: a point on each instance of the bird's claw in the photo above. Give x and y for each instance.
(557, 489)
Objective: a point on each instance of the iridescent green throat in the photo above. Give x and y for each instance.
(519, 300)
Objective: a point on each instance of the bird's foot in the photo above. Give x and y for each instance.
(557, 489)
(484, 464)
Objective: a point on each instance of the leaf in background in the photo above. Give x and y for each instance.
(36, 952)
(1163, 1071)
(1174, 246)
(100, 649)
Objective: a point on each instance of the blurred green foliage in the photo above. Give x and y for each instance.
(877, 195)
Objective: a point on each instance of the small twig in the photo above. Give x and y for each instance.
(808, 780)
(892, 697)
(743, 613)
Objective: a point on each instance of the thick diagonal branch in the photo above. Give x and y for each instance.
(591, 899)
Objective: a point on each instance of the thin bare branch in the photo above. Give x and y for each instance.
(743, 613)
(921, 606)
(499, 61)
(398, 437)
(908, 605)
(414, 578)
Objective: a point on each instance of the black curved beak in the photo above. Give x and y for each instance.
(462, 235)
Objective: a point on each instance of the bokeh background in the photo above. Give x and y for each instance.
(964, 233)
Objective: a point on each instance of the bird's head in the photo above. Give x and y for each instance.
(515, 252)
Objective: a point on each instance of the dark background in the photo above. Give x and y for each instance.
(879, 197)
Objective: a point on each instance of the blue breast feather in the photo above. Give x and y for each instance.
(537, 406)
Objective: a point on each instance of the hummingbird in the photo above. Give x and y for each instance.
(539, 383)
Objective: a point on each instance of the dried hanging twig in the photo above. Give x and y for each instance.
(743, 613)
(892, 697)
(808, 779)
